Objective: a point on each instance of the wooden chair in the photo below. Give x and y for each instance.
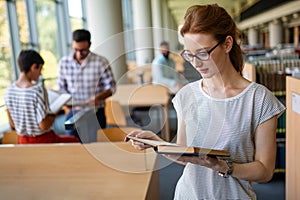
(139, 74)
(114, 134)
(10, 137)
(115, 115)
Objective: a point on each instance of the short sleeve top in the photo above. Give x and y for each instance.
(27, 107)
(227, 124)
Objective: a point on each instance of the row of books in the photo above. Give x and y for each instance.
(272, 73)
(273, 81)
(281, 125)
(279, 66)
(280, 158)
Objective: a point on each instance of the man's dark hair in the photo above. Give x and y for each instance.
(164, 43)
(81, 35)
(27, 58)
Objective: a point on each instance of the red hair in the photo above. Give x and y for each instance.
(213, 19)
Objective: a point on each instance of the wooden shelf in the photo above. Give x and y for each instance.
(292, 140)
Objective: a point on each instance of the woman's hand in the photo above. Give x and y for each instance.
(142, 134)
(206, 161)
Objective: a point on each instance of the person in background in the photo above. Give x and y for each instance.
(163, 69)
(222, 111)
(86, 76)
(27, 104)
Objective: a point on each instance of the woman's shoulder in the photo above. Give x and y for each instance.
(190, 87)
(259, 88)
(188, 90)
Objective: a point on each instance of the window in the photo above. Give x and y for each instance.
(23, 24)
(35, 24)
(6, 74)
(75, 13)
(48, 45)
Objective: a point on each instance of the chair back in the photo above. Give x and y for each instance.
(10, 137)
(115, 115)
(139, 74)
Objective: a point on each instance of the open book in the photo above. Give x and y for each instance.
(163, 147)
(57, 100)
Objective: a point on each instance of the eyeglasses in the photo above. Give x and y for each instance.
(82, 51)
(201, 55)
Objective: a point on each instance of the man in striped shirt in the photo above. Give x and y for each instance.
(86, 76)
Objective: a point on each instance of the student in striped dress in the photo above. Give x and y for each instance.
(27, 104)
(221, 111)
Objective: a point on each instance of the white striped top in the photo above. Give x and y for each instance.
(27, 107)
(227, 124)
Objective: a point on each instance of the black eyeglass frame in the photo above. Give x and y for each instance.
(195, 55)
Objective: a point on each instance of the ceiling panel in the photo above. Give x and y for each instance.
(233, 7)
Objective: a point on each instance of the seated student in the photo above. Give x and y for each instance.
(27, 104)
(163, 70)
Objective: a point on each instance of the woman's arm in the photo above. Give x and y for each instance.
(181, 135)
(262, 169)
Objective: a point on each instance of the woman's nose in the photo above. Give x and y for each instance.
(196, 62)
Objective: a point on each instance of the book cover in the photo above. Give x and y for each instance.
(163, 147)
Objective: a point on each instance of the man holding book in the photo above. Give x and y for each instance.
(87, 77)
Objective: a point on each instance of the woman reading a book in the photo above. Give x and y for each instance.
(27, 104)
(221, 111)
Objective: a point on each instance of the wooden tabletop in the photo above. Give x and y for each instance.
(76, 171)
(141, 95)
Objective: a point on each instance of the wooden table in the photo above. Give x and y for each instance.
(76, 171)
(132, 95)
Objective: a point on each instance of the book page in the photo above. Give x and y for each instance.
(57, 100)
(153, 143)
(52, 95)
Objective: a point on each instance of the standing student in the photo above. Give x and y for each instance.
(221, 111)
(86, 76)
(27, 104)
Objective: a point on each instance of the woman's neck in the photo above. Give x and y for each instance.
(225, 84)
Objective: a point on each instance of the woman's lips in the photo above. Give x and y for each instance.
(203, 71)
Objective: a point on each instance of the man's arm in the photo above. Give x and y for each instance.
(100, 96)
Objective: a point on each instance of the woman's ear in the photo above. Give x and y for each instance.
(228, 43)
